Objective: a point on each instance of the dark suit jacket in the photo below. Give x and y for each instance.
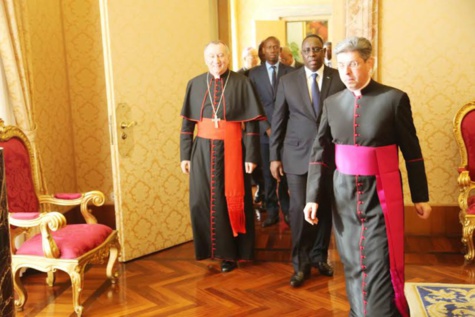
(260, 79)
(244, 71)
(298, 64)
(294, 123)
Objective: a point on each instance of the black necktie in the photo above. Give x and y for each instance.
(274, 79)
(315, 94)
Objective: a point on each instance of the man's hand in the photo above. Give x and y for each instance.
(268, 132)
(249, 167)
(185, 166)
(423, 210)
(310, 212)
(276, 169)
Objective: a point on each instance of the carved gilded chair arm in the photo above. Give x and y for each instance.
(95, 197)
(464, 178)
(26, 223)
(47, 221)
(464, 197)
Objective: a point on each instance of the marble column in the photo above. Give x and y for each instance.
(7, 307)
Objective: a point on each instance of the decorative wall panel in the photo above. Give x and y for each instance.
(426, 50)
(90, 121)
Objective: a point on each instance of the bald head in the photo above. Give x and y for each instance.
(286, 56)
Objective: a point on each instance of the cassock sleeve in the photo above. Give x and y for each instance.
(409, 144)
(186, 139)
(321, 160)
(251, 142)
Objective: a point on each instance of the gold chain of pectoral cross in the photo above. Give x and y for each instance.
(215, 109)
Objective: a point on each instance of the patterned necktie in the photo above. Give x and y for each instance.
(315, 94)
(274, 79)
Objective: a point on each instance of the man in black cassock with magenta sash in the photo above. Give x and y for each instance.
(361, 131)
(225, 111)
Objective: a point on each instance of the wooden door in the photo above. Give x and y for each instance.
(151, 49)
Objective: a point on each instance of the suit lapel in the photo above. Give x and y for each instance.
(264, 78)
(326, 83)
(303, 90)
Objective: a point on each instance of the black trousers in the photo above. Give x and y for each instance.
(275, 196)
(309, 242)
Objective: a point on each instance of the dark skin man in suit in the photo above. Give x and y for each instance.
(295, 123)
(261, 78)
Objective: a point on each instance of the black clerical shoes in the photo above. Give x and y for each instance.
(298, 278)
(324, 268)
(270, 221)
(228, 266)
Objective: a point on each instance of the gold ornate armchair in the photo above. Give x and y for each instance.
(57, 246)
(464, 130)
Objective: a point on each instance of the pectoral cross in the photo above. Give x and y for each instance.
(216, 120)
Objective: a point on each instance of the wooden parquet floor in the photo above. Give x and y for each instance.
(172, 283)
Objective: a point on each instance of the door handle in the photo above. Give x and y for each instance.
(125, 125)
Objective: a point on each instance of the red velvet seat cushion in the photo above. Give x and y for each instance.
(471, 205)
(72, 240)
(21, 193)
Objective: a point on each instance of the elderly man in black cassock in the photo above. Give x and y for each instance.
(224, 108)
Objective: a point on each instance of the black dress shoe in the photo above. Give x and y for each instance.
(324, 268)
(270, 221)
(298, 278)
(262, 206)
(228, 266)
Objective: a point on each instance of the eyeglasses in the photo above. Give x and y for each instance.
(352, 65)
(312, 49)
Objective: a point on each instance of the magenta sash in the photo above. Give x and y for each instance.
(382, 162)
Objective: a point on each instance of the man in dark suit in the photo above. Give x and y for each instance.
(251, 59)
(295, 123)
(287, 58)
(265, 79)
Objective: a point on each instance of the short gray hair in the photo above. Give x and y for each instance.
(228, 52)
(247, 50)
(355, 44)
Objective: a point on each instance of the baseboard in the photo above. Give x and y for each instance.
(443, 221)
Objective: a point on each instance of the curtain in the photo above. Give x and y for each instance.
(6, 110)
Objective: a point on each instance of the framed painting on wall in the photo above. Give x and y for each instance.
(298, 30)
(318, 27)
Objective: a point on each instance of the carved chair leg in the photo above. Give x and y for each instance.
(467, 239)
(113, 255)
(19, 289)
(77, 277)
(50, 278)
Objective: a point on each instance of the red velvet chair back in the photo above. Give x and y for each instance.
(21, 193)
(468, 135)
